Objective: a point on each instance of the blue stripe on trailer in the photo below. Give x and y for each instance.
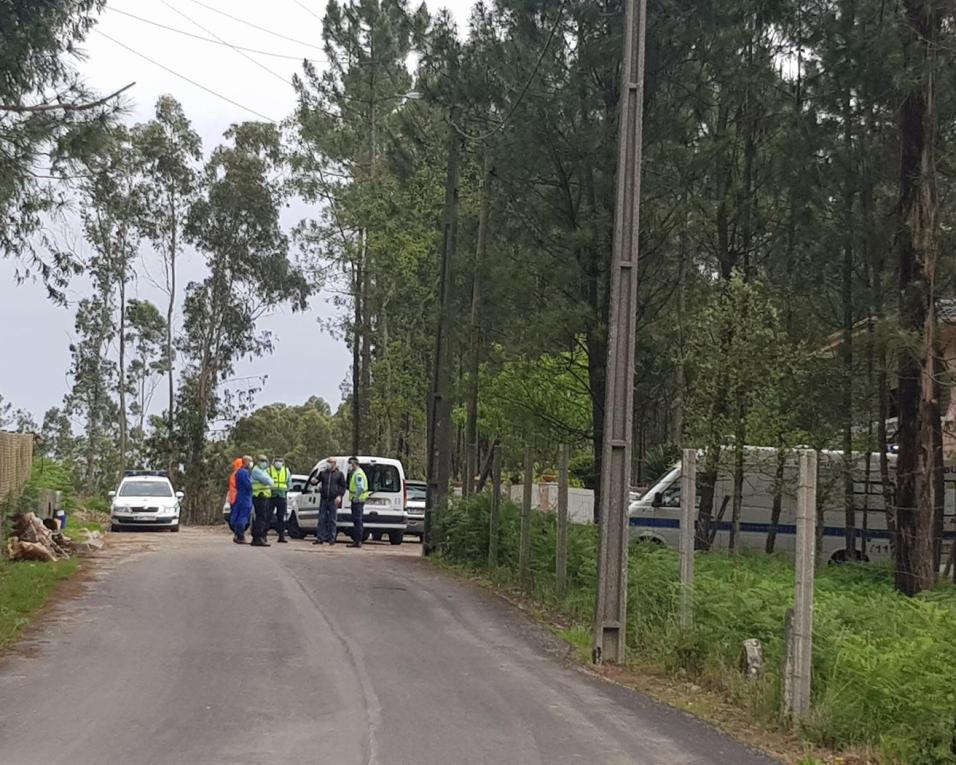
(763, 528)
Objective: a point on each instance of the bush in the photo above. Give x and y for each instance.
(884, 665)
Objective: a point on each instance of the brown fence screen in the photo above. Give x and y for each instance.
(16, 458)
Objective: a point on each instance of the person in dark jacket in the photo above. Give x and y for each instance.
(243, 506)
(331, 487)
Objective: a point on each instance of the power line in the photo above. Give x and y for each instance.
(524, 91)
(184, 77)
(255, 26)
(308, 10)
(259, 64)
(209, 39)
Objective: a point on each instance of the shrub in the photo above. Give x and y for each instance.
(884, 665)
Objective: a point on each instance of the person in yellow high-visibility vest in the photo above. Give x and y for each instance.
(280, 475)
(261, 501)
(358, 493)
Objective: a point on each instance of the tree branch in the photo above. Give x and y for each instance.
(64, 107)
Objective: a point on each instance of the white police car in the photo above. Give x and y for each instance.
(145, 499)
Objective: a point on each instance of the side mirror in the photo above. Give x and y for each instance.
(179, 495)
(658, 499)
(111, 494)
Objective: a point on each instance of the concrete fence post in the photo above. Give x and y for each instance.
(561, 557)
(524, 555)
(688, 513)
(797, 677)
(495, 507)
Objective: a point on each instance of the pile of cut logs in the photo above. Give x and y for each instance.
(35, 539)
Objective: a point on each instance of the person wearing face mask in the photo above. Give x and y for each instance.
(243, 505)
(280, 475)
(261, 501)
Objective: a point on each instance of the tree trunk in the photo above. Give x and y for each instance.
(471, 438)
(777, 500)
(121, 340)
(170, 308)
(357, 357)
(846, 295)
(916, 248)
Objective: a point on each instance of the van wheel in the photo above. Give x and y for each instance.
(841, 556)
(295, 530)
(396, 537)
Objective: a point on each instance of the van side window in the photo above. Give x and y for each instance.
(670, 497)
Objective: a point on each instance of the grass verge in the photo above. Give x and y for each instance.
(24, 589)
(884, 665)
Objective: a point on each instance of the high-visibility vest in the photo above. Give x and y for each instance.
(279, 477)
(364, 495)
(260, 489)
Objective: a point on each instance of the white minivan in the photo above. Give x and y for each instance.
(655, 517)
(384, 509)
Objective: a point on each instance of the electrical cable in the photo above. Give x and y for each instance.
(209, 39)
(308, 10)
(524, 90)
(184, 77)
(273, 72)
(255, 26)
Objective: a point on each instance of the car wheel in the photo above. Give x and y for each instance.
(396, 537)
(114, 527)
(174, 529)
(295, 530)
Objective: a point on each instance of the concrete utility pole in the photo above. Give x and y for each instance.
(524, 548)
(611, 611)
(800, 644)
(688, 512)
(495, 507)
(561, 556)
(439, 421)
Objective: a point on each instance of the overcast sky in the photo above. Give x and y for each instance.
(307, 360)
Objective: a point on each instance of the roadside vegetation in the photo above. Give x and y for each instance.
(883, 663)
(24, 589)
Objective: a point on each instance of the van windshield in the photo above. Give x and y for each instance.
(668, 487)
(383, 478)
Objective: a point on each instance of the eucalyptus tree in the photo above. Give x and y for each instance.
(170, 151)
(235, 226)
(110, 210)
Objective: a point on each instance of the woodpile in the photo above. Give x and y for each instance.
(32, 540)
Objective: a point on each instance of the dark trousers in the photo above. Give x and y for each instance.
(358, 521)
(279, 505)
(263, 508)
(325, 528)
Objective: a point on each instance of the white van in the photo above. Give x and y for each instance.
(656, 515)
(384, 509)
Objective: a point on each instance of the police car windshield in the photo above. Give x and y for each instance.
(145, 489)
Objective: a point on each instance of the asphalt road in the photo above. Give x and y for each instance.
(188, 650)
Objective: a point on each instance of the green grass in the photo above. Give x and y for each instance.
(884, 665)
(24, 588)
(73, 528)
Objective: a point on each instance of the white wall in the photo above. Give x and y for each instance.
(544, 497)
